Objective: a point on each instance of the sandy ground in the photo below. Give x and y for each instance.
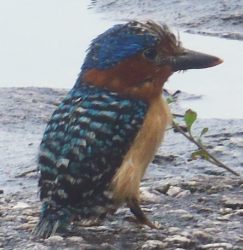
(198, 205)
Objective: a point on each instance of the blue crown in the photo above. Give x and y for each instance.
(118, 43)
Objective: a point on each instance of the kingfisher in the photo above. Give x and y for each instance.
(103, 135)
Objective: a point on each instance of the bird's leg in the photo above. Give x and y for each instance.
(133, 204)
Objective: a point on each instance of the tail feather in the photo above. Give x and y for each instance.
(45, 228)
(51, 221)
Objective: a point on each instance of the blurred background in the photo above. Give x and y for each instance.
(43, 44)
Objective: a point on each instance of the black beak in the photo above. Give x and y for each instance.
(193, 60)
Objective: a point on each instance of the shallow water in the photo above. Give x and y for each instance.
(43, 44)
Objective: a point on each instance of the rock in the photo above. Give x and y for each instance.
(173, 229)
(10, 218)
(183, 194)
(20, 205)
(217, 246)
(239, 212)
(173, 191)
(182, 214)
(38, 246)
(163, 188)
(76, 239)
(179, 239)
(32, 219)
(107, 246)
(25, 226)
(154, 244)
(147, 196)
(225, 210)
(187, 216)
(201, 235)
(219, 149)
(31, 212)
(225, 217)
(192, 185)
(233, 202)
(54, 239)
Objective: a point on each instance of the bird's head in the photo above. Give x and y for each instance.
(136, 59)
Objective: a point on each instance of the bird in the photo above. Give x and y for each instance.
(101, 138)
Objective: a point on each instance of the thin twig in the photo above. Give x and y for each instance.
(26, 173)
(200, 146)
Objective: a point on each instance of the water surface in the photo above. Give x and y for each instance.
(43, 43)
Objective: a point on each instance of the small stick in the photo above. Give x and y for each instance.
(25, 173)
(200, 146)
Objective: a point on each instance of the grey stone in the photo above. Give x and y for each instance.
(54, 239)
(217, 246)
(21, 205)
(76, 239)
(154, 245)
(173, 191)
(147, 196)
(183, 194)
(233, 202)
(183, 240)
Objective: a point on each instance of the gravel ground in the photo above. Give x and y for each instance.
(211, 17)
(198, 205)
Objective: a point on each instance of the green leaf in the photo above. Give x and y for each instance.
(204, 131)
(170, 99)
(189, 118)
(200, 154)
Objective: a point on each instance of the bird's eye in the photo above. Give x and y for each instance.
(150, 53)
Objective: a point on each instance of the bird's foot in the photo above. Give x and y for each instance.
(140, 216)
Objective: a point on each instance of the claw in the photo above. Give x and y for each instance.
(133, 204)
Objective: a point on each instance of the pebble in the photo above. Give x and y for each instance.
(76, 239)
(202, 235)
(225, 217)
(154, 245)
(173, 229)
(37, 246)
(10, 218)
(217, 246)
(178, 239)
(54, 239)
(182, 213)
(225, 210)
(163, 188)
(233, 202)
(20, 205)
(187, 216)
(30, 212)
(219, 149)
(148, 196)
(25, 226)
(239, 212)
(174, 191)
(183, 194)
(178, 211)
(107, 246)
